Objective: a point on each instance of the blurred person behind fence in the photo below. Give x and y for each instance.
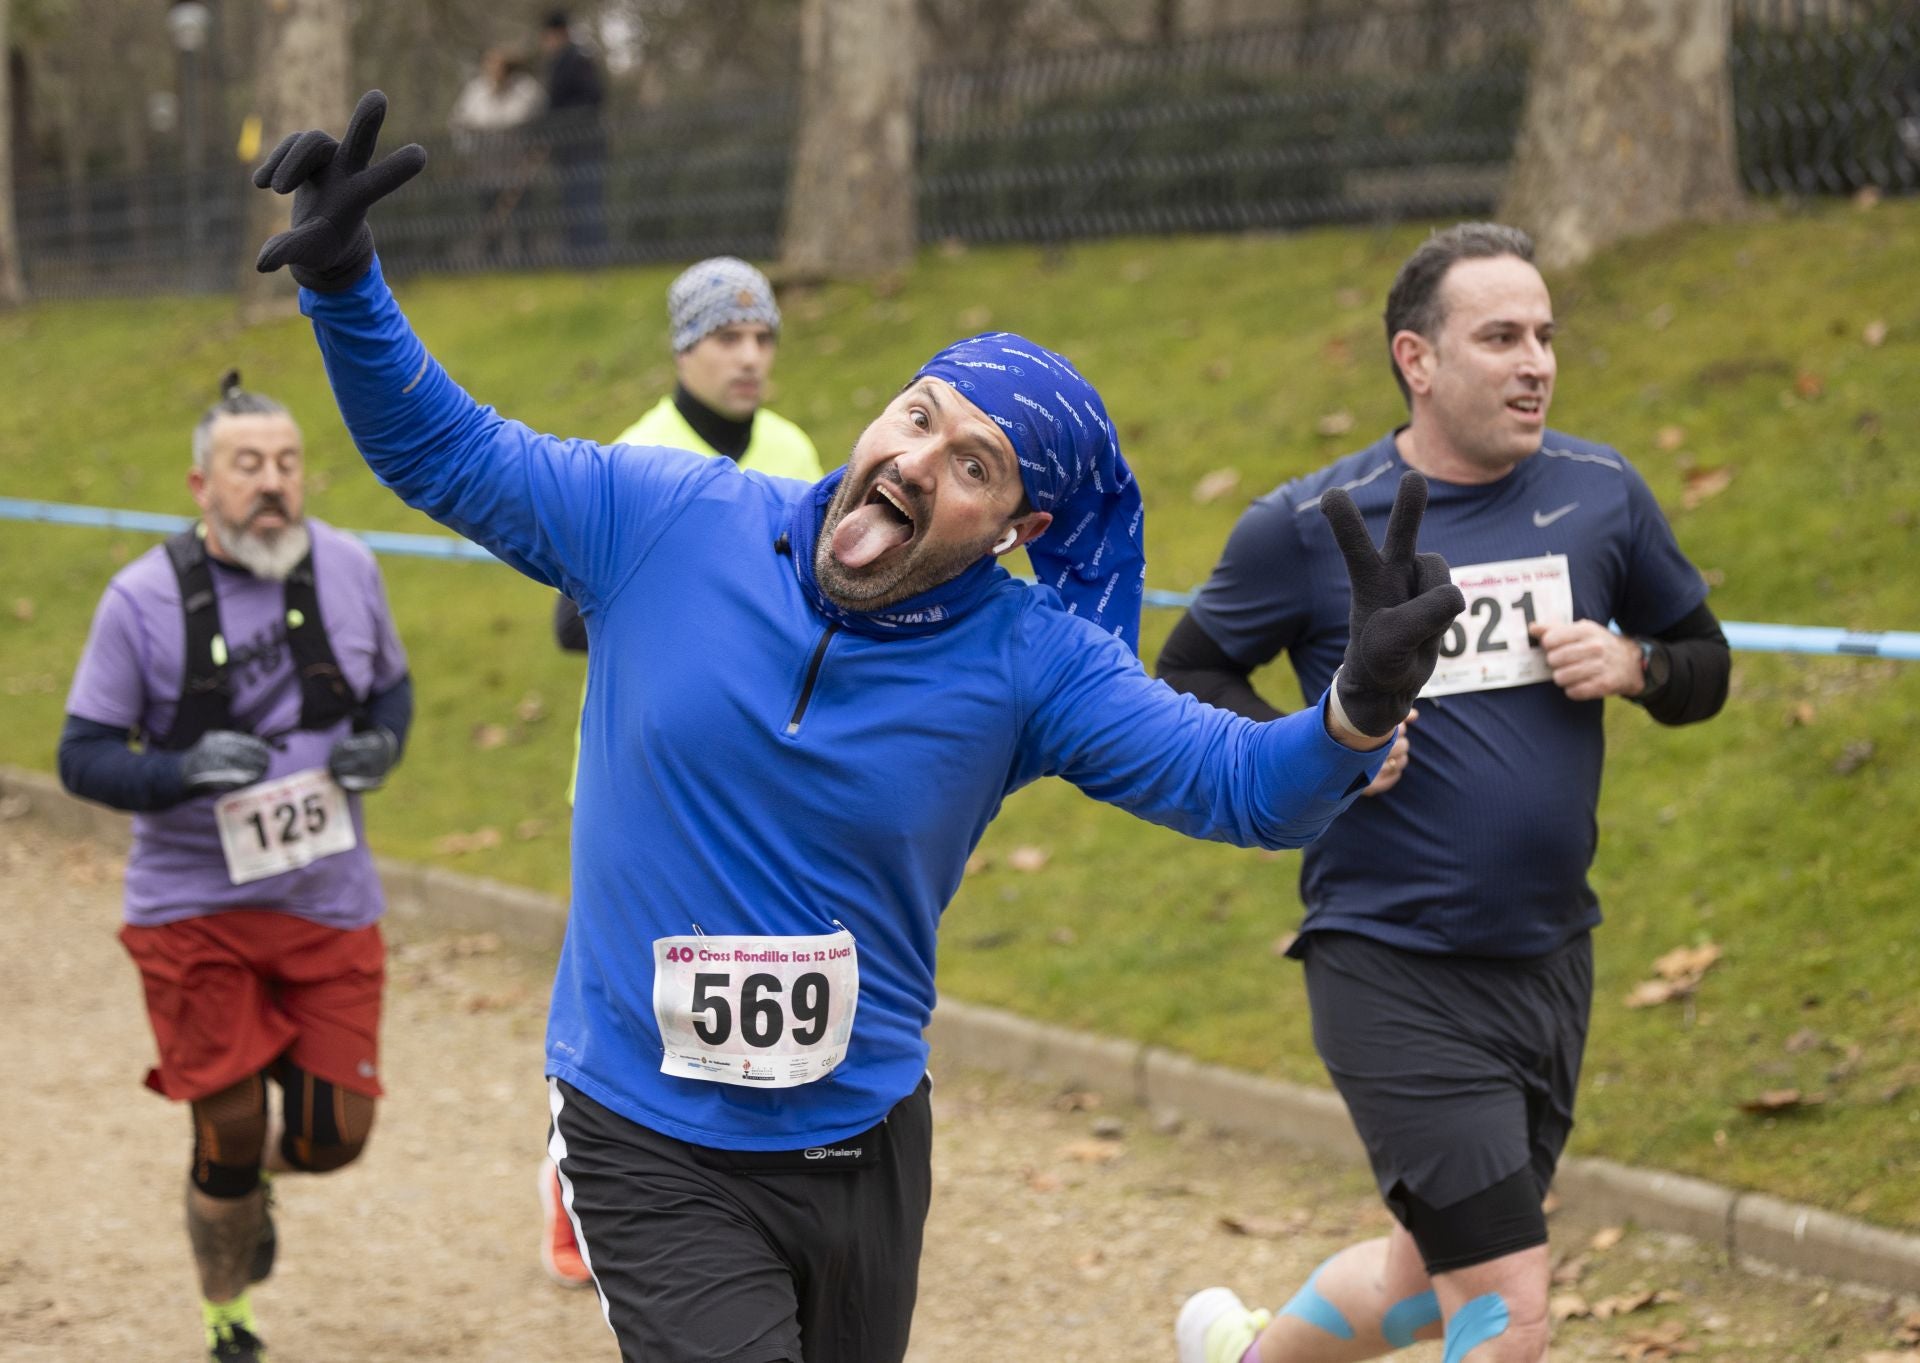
(489, 122)
(576, 138)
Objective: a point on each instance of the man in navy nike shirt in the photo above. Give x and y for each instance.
(1446, 941)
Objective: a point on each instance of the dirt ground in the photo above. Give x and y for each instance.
(1063, 1228)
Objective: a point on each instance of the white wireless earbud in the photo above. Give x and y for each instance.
(1006, 542)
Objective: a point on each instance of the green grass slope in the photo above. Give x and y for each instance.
(1785, 350)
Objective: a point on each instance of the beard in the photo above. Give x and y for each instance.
(270, 554)
(898, 574)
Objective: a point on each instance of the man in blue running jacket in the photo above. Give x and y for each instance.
(770, 825)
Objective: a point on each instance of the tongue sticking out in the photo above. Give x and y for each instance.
(867, 532)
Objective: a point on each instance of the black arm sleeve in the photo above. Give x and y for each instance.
(1694, 665)
(569, 630)
(392, 710)
(96, 764)
(1192, 662)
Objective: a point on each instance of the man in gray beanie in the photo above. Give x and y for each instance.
(725, 329)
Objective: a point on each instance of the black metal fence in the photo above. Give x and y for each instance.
(1409, 110)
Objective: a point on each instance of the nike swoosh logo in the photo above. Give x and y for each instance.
(1543, 519)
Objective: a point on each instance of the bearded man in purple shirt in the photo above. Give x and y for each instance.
(241, 688)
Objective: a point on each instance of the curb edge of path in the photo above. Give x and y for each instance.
(1743, 1225)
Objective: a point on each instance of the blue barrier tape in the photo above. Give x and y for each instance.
(1751, 638)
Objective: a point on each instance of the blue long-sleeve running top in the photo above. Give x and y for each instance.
(748, 769)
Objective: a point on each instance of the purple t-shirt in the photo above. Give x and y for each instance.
(130, 675)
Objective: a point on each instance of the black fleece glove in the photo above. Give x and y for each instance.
(222, 760)
(1402, 605)
(360, 762)
(330, 245)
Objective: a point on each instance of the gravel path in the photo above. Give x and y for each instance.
(1062, 1229)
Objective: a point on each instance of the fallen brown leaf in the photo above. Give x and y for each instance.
(531, 709)
(1042, 1182)
(1703, 484)
(977, 863)
(1334, 423)
(1028, 859)
(1652, 993)
(1809, 384)
(1565, 1306)
(1908, 1331)
(23, 608)
(1687, 963)
(1670, 437)
(529, 829)
(1092, 1151)
(1571, 1270)
(1874, 333)
(486, 737)
(1781, 1100)
(1606, 1238)
(1213, 486)
(1218, 370)
(1802, 715)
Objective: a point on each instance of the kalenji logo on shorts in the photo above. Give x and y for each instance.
(832, 1152)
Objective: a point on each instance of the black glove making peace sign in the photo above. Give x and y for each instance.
(333, 185)
(1402, 605)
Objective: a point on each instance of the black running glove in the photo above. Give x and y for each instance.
(222, 760)
(1402, 605)
(360, 762)
(329, 245)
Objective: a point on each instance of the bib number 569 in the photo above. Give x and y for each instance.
(762, 1020)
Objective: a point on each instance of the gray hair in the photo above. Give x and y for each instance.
(1413, 303)
(234, 401)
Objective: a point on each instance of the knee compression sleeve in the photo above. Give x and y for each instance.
(1496, 1221)
(229, 1133)
(1480, 1320)
(327, 1126)
(1316, 1310)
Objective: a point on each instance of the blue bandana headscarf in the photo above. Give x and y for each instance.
(1070, 463)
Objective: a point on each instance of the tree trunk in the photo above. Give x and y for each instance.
(12, 290)
(1628, 124)
(850, 208)
(300, 81)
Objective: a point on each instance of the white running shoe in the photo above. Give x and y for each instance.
(1215, 1326)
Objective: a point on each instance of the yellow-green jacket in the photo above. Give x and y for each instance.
(777, 448)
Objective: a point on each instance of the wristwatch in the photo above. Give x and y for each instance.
(1653, 667)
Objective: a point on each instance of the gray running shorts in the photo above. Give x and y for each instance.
(724, 1256)
(1458, 1071)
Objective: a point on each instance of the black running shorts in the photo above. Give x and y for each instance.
(726, 1256)
(1459, 1073)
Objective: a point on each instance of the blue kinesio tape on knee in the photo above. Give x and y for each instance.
(1474, 1324)
(1316, 1310)
(1405, 1317)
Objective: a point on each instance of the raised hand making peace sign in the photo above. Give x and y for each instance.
(1402, 605)
(333, 185)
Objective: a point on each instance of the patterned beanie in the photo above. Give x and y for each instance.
(720, 292)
